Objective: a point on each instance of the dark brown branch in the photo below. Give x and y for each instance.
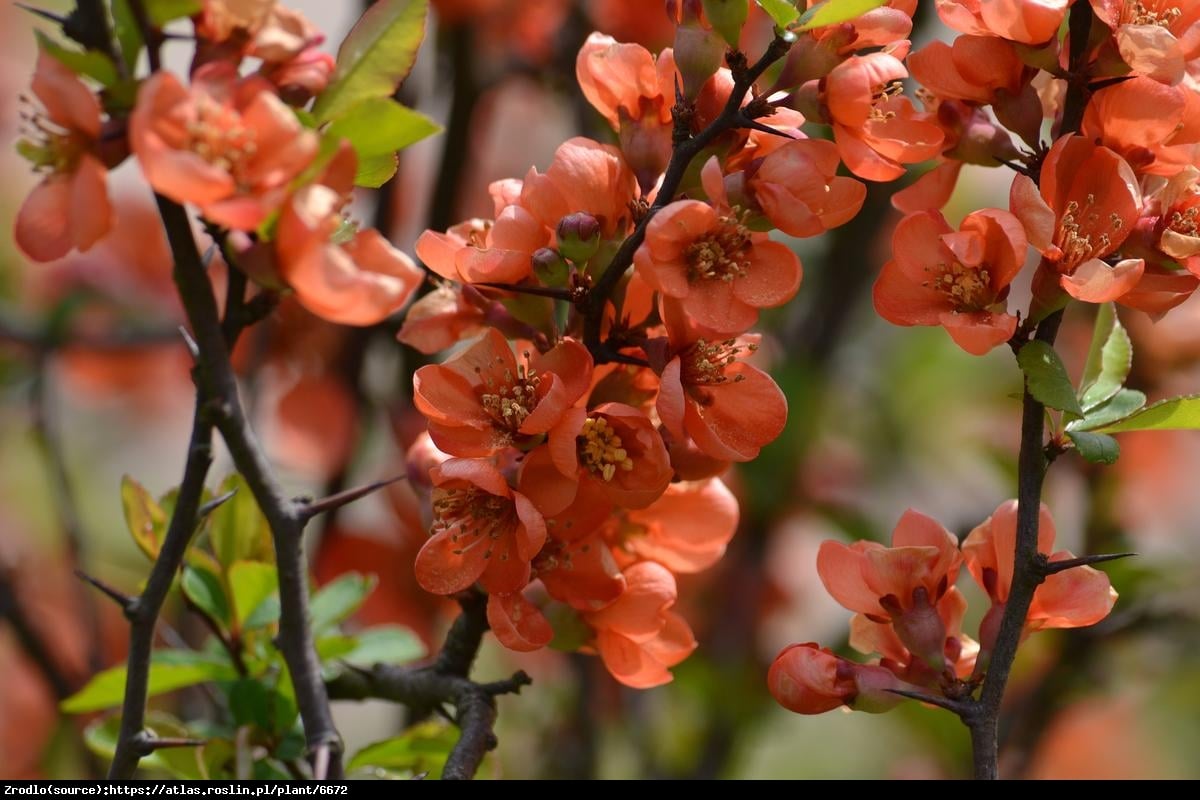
(957, 706)
(442, 683)
(1028, 565)
(223, 408)
(143, 611)
(731, 117)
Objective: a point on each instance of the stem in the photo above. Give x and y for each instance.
(285, 518)
(143, 611)
(731, 117)
(1028, 574)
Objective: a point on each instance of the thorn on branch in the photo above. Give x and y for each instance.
(190, 343)
(43, 13)
(746, 121)
(212, 505)
(145, 743)
(1054, 567)
(310, 509)
(126, 602)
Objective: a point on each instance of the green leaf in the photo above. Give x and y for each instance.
(1097, 448)
(375, 57)
(169, 670)
(380, 125)
(252, 583)
(783, 12)
(145, 518)
(205, 590)
(1176, 414)
(91, 63)
(386, 644)
(1119, 406)
(727, 18)
(161, 12)
(375, 171)
(832, 12)
(239, 531)
(129, 33)
(1047, 377)
(422, 748)
(1109, 359)
(338, 599)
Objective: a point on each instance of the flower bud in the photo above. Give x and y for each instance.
(578, 236)
(698, 55)
(303, 77)
(922, 631)
(549, 267)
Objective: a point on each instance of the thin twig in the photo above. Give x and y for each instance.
(731, 117)
(116, 595)
(1055, 567)
(308, 510)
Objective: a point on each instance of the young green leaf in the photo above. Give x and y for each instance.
(832, 12)
(727, 18)
(204, 589)
(422, 748)
(1109, 360)
(91, 63)
(146, 520)
(129, 33)
(375, 57)
(1097, 448)
(1119, 406)
(385, 644)
(1047, 378)
(161, 12)
(252, 583)
(377, 128)
(239, 531)
(338, 599)
(1176, 414)
(169, 670)
(784, 12)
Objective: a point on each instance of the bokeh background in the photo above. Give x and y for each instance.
(94, 385)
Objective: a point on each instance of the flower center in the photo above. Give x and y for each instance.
(882, 95)
(47, 145)
(968, 288)
(704, 363)
(1150, 13)
(600, 449)
(1185, 221)
(218, 136)
(1081, 236)
(512, 400)
(474, 517)
(721, 253)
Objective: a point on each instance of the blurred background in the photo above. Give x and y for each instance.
(94, 385)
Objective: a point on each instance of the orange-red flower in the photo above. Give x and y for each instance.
(1074, 598)
(902, 584)
(638, 636)
(798, 188)
(956, 279)
(70, 208)
(981, 69)
(585, 176)
(876, 128)
(482, 251)
(1025, 21)
(721, 272)
(442, 318)
(226, 144)
(483, 400)
(959, 650)
(518, 624)
(482, 531)
(353, 277)
(1155, 38)
(686, 530)
(634, 92)
(613, 448)
(709, 393)
(1085, 207)
(1154, 127)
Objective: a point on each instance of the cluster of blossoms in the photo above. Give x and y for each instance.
(573, 479)
(229, 144)
(909, 613)
(1108, 203)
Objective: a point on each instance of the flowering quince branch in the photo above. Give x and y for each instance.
(444, 682)
(686, 148)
